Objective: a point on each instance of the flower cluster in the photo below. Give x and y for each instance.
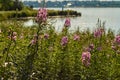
(89, 48)
(41, 15)
(13, 36)
(76, 37)
(86, 56)
(46, 36)
(99, 48)
(34, 40)
(98, 32)
(117, 39)
(64, 40)
(67, 22)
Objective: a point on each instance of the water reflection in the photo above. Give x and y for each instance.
(58, 23)
(88, 19)
(29, 23)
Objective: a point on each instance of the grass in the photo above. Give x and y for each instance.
(49, 60)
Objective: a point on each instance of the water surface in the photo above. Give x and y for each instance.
(89, 18)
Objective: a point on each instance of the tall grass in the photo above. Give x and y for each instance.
(48, 59)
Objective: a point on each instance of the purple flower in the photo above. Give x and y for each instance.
(88, 49)
(67, 22)
(14, 38)
(117, 39)
(33, 42)
(46, 36)
(64, 40)
(76, 37)
(86, 56)
(41, 15)
(14, 33)
(91, 46)
(99, 48)
(98, 32)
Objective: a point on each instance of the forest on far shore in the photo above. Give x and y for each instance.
(7, 5)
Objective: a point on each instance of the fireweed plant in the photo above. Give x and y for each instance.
(40, 53)
(33, 47)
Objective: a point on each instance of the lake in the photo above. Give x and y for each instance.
(89, 19)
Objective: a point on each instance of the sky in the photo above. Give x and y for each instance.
(41, 0)
(68, 0)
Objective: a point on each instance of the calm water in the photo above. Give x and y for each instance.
(89, 19)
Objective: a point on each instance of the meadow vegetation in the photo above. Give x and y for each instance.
(40, 53)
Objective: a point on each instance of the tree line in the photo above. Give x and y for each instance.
(7, 5)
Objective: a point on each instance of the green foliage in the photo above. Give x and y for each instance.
(27, 12)
(48, 59)
(7, 5)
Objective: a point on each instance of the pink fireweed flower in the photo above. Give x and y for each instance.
(14, 38)
(64, 40)
(117, 39)
(41, 15)
(33, 41)
(88, 49)
(91, 46)
(14, 33)
(46, 36)
(76, 37)
(98, 32)
(67, 22)
(86, 56)
(99, 48)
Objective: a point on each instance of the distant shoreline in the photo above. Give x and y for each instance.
(4, 15)
(60, 4)
(36, 8)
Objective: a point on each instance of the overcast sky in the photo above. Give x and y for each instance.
(67, 0)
